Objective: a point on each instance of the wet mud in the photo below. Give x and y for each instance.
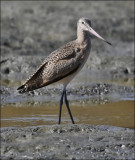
(68, 142)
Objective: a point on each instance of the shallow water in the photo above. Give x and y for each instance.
(119, 113)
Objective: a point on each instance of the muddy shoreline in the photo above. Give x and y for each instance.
(101, 93)
(67, 142)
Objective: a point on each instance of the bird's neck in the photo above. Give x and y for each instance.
(83, 37)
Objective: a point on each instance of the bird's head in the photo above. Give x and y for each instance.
(85, 25)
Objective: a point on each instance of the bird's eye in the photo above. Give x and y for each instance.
(82, 22)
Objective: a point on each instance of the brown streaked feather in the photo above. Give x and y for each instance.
(59, 78)
(33, 82)
(55, 67)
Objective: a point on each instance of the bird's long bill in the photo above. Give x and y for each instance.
(97, 35)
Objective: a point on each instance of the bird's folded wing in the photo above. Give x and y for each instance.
(61, 69)
(54, 68)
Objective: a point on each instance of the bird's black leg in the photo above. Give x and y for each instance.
(67, 105)
(61, 102)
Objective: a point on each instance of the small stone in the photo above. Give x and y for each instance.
(123, 146)
(28, 41)
(106, 150)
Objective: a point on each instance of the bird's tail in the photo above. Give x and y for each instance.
(22, 89)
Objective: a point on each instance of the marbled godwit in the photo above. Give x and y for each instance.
(64, 63)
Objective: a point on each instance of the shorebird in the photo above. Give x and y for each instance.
(64, 63)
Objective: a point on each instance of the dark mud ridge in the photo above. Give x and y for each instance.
(93, 93)
(67, 142)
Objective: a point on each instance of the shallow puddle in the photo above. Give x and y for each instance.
(117, 114)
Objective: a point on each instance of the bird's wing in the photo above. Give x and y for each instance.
(62, 68)
(58, 65)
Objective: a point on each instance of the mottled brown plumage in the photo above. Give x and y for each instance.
(56, 66)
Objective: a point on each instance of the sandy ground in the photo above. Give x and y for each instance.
(31, 30)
